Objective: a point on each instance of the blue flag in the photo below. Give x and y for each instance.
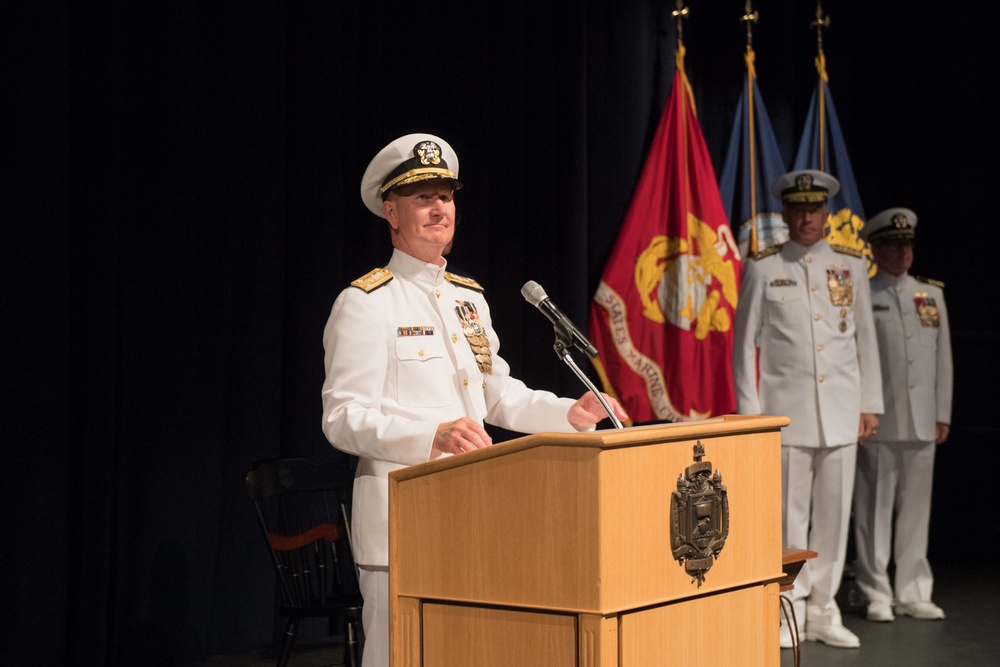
(753, 161)
(822, 147)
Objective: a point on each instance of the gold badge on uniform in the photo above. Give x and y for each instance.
(927, 309)
(475, 333)
(838, 279)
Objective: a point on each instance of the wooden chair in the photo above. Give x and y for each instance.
(301, 506)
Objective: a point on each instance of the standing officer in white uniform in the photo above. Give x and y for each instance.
(804, 316)
(412, 369)
(896, 467)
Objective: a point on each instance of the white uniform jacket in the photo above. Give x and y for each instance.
(398, 364)
(911, 322)
(808, 308)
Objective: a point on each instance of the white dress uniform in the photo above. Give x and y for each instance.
(895, 467)
(398, 364)
(409, 347)
(807, 309)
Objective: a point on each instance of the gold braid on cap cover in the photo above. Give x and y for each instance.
(416, 175)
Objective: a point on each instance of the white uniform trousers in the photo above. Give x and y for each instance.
(374, 585)
(816, 486)
(894, 479)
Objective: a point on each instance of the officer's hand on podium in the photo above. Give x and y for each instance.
(588, 411)
(461, 435)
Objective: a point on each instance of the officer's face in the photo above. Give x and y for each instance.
(893, 258)
(805, 222)
(422, 218)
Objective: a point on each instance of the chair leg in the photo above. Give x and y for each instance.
(287, 640)
(352, 656)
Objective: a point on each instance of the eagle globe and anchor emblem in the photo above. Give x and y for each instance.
(699, 517)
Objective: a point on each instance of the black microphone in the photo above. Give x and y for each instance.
(536, 296)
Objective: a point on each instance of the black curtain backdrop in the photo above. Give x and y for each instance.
(183, 209)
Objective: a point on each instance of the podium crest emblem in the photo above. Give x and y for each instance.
(699, 517)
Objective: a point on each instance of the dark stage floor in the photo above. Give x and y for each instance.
(969, 593)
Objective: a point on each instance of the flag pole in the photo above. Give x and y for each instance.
(680, 13)
(820, 23)
(749, 17)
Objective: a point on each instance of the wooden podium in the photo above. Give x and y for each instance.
(555, 549)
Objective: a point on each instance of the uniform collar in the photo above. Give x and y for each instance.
(416, 270)
(891, 280)
(798, 251)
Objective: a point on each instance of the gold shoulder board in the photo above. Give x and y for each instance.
(846, 250)
(767, 252)
(462, 281)
(930, 281)
(373, 279)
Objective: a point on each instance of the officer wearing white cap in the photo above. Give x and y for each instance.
(412, 364)
(804, 318)
(892, 501)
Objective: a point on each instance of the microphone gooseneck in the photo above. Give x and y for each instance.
(565, 329)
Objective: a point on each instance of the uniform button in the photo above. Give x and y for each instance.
(909, 336)
(913, 386)
(484, 385)
(465, 384)
(909, 361)
(821, 378)
(454, 338)
(819, 348)
(906, 312)
(816, 317)
(812, 288)
(809, 260)
(843, 312)
(437, 293)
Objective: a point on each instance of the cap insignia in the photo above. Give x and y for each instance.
(804, 182)
(428, 152)
(900, 221)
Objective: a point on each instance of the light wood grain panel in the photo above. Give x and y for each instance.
(736, 628)
(637, 483)
(477, 637)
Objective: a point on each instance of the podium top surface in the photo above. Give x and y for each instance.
(634, 436)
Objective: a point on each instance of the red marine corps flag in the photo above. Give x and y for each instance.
(663, 313)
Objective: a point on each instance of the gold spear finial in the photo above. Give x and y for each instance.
(679, 15)
(750, 17)
(820, 23)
